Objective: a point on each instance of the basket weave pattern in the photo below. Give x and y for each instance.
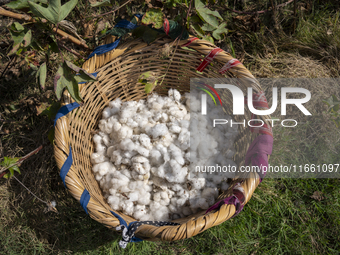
(118, 73)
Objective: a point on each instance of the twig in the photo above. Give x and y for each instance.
(4, 71)
(56, 38)
(30, 191)
(263, 11)
(72, 51)
(100, 15)
(22, 159)
(30, 19)
(178, 39)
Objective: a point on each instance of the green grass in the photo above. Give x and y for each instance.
(281, 218)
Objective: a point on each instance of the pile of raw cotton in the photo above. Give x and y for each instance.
(143, 152)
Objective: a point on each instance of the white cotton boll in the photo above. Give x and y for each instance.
(164, 117)
(116, 157)
(126, 161)
(167, 139)
(97, 158)
(157, 197)
(114, 202)
(142, 151)
(139, 159)
(138, 167)
(185, 124)
(133, 196)
(132, 184)
(176, 95)
(156, 157)
(124, 132)
(116, 126)
(170, 93)
(127, 144)
(198, 183)
(147, 217)
(145, 141)
(127, 207)
(162, 214)
(106, 140)
(115, 105)
(175, 129)
(106, 113)
(136, 176)
(103, 168)
(139, 212)
(158, 130)
(173, 208)
(156, 106)
(98, 177)
(97, 139)
(131, 123)
(124, 189)
(145, 199)
(101, 148)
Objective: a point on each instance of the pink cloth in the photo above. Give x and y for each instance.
(257, 155)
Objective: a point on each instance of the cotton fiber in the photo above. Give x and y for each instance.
(143, 152)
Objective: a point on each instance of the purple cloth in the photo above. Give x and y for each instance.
(257, 154)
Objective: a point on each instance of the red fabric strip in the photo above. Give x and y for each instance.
(191, 39)
(207, 60)
(166, 26)
(230, 64)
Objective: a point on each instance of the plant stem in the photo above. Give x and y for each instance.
(56, 38)
(72, 51)
(100, 15)
(29, 190)
(22, 159)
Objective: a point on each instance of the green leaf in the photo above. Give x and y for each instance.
(220, 30)
(52, 110)
(68, 76)
(206, 14)
(155, 17)
(58, 86)
(150, 35)
(41, 75)
(6, 163)
(27, 38)
(20, 4)
(55, 12)
(139, 31)
(208, 38)
(103, 3)
(150, 86)
(198, 30)
(16, 26)
(207, 27)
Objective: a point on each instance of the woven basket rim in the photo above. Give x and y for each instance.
(191, 225)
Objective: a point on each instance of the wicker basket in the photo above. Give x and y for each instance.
(118, 72)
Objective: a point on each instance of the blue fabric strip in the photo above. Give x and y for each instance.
(121, 220)
(94, 74)
(84, 199)
(66, 167)
(139, 15)
(126, 24)
(104, 48)
(65, 110)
